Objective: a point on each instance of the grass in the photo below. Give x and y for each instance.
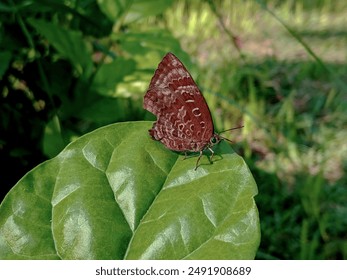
(293, 109)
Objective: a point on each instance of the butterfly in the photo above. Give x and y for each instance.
(184, 122)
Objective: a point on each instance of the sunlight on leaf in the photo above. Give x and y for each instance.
(115, 193)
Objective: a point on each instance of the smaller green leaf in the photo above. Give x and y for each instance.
(70, 44)
(110, 74)
(132, 10)
(5, 58)
(53, 141)
(145, 8)
(108, 110)
(144, 42)
(114, 9)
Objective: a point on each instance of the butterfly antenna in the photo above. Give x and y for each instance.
(241, 126)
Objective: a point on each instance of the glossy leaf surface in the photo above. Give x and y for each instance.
(117, 194)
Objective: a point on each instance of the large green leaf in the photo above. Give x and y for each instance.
(117, 194)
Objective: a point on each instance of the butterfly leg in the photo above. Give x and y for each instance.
(185, 155)
(212, 154)
(197, 162)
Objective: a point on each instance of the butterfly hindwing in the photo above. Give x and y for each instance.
(184, 121)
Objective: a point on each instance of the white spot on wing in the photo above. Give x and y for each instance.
(196, 112)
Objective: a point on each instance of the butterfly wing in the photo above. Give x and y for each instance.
(184, 120)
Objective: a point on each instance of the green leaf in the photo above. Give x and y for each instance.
(53, 141)
(5, 58)
(144, 42)
(145, 8)
(70, 44)
(132, 10)
(117, 194)
(114, 9)
(110, 74)
(106, 110)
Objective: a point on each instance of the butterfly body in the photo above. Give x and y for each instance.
(184, 121)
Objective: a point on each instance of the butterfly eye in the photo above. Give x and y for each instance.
(213, 140)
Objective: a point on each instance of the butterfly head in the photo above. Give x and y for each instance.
(215, 139)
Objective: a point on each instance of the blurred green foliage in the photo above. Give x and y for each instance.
(68, 67)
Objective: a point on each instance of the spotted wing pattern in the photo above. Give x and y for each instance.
(184, 120)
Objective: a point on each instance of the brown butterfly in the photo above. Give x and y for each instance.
(184, 121)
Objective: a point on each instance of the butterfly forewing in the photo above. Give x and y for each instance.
(184, 121)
